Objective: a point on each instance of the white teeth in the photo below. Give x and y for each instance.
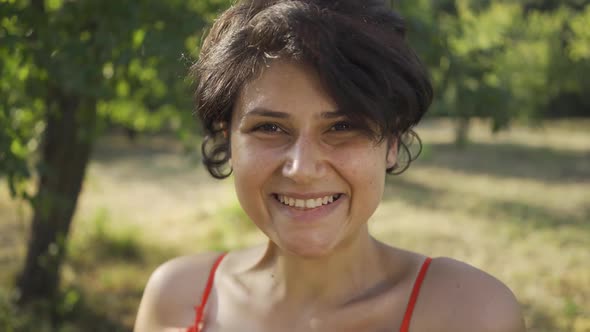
(307, 203)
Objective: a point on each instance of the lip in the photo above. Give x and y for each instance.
(308, 215)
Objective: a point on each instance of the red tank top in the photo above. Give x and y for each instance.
(405, 327)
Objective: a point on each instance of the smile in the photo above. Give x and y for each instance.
(305, 204)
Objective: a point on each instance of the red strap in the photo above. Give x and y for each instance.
(201, 308)
(414, 297)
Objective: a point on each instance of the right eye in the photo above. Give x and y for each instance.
(268, 128)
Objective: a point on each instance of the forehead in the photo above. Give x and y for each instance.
(285, 87)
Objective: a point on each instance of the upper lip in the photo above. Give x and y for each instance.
(307, 195)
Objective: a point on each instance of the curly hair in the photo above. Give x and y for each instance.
(358, 49)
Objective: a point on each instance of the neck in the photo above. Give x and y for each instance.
(340, 277)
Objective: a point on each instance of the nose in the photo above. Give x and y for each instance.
(305, 161)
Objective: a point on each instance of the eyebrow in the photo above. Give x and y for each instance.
(261, 111)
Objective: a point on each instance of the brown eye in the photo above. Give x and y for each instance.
(342, 126)
(268, 128)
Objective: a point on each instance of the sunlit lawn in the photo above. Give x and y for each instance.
(516, 205)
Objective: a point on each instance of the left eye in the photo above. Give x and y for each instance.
(341, 126)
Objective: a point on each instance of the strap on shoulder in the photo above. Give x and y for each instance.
(200, 309)
(414, 296)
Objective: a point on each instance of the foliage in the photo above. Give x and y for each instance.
(129, 57)
(70, 70)
(504, 60)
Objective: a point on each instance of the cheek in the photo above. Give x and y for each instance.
(364, 170)
(366, 165)
(251, 168)
(249, 160)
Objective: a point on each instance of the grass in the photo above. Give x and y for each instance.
(514, 204)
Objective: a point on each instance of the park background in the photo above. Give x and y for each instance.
(101, 179)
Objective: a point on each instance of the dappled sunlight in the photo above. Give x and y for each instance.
(145, 205)
(518, 211)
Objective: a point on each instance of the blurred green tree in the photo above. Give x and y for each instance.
(68, 70)
(462, 41)
(503, 60)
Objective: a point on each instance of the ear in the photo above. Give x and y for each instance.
(391, 157)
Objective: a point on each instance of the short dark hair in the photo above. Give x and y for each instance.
(358, 48)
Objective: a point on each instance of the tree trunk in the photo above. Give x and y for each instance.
(462, 131)
(66, 150)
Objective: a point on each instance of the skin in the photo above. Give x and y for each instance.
(321, 269)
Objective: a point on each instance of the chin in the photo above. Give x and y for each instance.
(307, 249)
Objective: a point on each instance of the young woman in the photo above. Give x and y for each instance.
(311, 103)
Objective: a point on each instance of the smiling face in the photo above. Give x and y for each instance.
(303, 173)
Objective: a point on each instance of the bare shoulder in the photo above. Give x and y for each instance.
(460, 297)
(172, 291)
